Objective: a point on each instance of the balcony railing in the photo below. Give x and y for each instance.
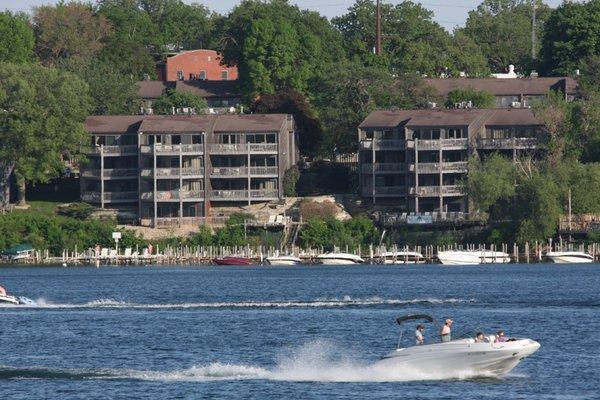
(382, 144)
(507, 143)
(244, 194)
(447, 167)
(120, 196)
(172, 148)
(384, 168)
(229, 171)
(264, 193)
(93, 197)
(192, 171)
(427, 191)
(264, 171)
(384, 191)
(242, 148)
(167, 195)
(442, 143)
(114, 150)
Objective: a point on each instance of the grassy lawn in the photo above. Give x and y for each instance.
(43, 207)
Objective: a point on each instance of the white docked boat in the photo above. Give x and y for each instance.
(569, 257)
(459, 257)
(283, 260)
(463, 355)
(339, 259)
(494, 257)
(402, 257)
(8, 299)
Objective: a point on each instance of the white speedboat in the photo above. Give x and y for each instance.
(569, 257)
(283, 260)
(459, 257)
(8, 299)
(494, 257)
(460, 357)
(402, 257)
(339, 259)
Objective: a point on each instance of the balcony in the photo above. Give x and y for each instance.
(264, 171)
(507, 143)
(91, 197)
(111, 173)
(174, 195)
(243, 148)
(173, 149)
(436, 191)
(447, 144)
(244, 194)
(117, 197)
(384, 191)
(445, 167)
(228, 172)
(384, 168)
(382, 144)
(172, 173)
(114, 150)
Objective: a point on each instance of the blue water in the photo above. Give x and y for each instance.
(272, 333)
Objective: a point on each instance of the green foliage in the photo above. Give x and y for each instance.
(490, 182)
(502, 28)
(329, 233)
(479, 99)
(571, 34)
(178, 99)
(42, 122)
(290, 178)
(466, 56)
(16, 38)
(76, 210)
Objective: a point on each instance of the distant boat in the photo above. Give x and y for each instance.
(283, 260)
(339, 259)
(230, 260)
(569, 257)
(19, 252)
(459, 257)
(402, 257)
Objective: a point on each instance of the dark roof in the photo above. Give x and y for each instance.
(205, 89)
(449, 117)
(250, 123)
(500, 86)
(176, 123)
(113, 123)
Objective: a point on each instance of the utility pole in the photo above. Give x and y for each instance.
(533, 23)
(378, 28)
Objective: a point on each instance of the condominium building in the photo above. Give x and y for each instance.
(167, 170)
(415, 159)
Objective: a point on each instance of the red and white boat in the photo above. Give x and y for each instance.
(6, 298)
(232, 260)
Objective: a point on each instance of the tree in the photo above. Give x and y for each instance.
(16, 38)
(466, 56)
(310, 132)
(178, 99)
(478, 98)
(349, 91)
(112, 92)
(490, 182)
(571, 34)
(277, 46)
(502, 28)
(69, 30)
(41, 120)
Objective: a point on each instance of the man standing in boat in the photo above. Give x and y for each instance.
(446, 331)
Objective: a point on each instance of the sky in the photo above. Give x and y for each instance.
(448, 13)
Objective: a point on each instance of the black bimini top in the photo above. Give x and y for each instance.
(412, 317)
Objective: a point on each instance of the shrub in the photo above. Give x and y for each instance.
(76, 210)
(312, 209)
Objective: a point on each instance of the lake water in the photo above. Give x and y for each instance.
(272, 333)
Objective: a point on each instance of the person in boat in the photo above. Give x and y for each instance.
(500, 337)
(480, 338)
(419, 339)
(446, 331)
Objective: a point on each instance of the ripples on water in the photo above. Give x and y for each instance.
(268, 333)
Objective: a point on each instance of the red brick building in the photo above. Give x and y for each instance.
(195, 65)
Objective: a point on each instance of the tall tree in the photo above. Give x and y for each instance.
(571, 34)
(502, 28)
(69, 30)
(16, 38)
(41, 122)
(178, 99)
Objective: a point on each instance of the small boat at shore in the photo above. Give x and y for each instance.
(232, 260)
(459, 257)
(283, 260)
(569, 257)
(402, 257)
(5, 298)
(339, 259)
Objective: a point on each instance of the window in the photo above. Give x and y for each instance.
(180, 75)
(454, 133)
(202, 75)
(271, 138)
(111, 140)
(176, 139)
(229, 139)
(196, 139)
(224, 75)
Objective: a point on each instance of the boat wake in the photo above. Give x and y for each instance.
(346, 301)
(317, 361)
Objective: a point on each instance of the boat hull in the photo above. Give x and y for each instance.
(232, 261)
(459, 257)
(6, 299)
(569, 258)
(337, 261)
(340, 259)
(285, 261)
(461, 359)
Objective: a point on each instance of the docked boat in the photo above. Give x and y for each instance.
(283, 260)
(459, 257)
(8, 299)
(464, 356)
(494, 257)
(569, 257)
(231, 260)
(402, 257)
(339, 259)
